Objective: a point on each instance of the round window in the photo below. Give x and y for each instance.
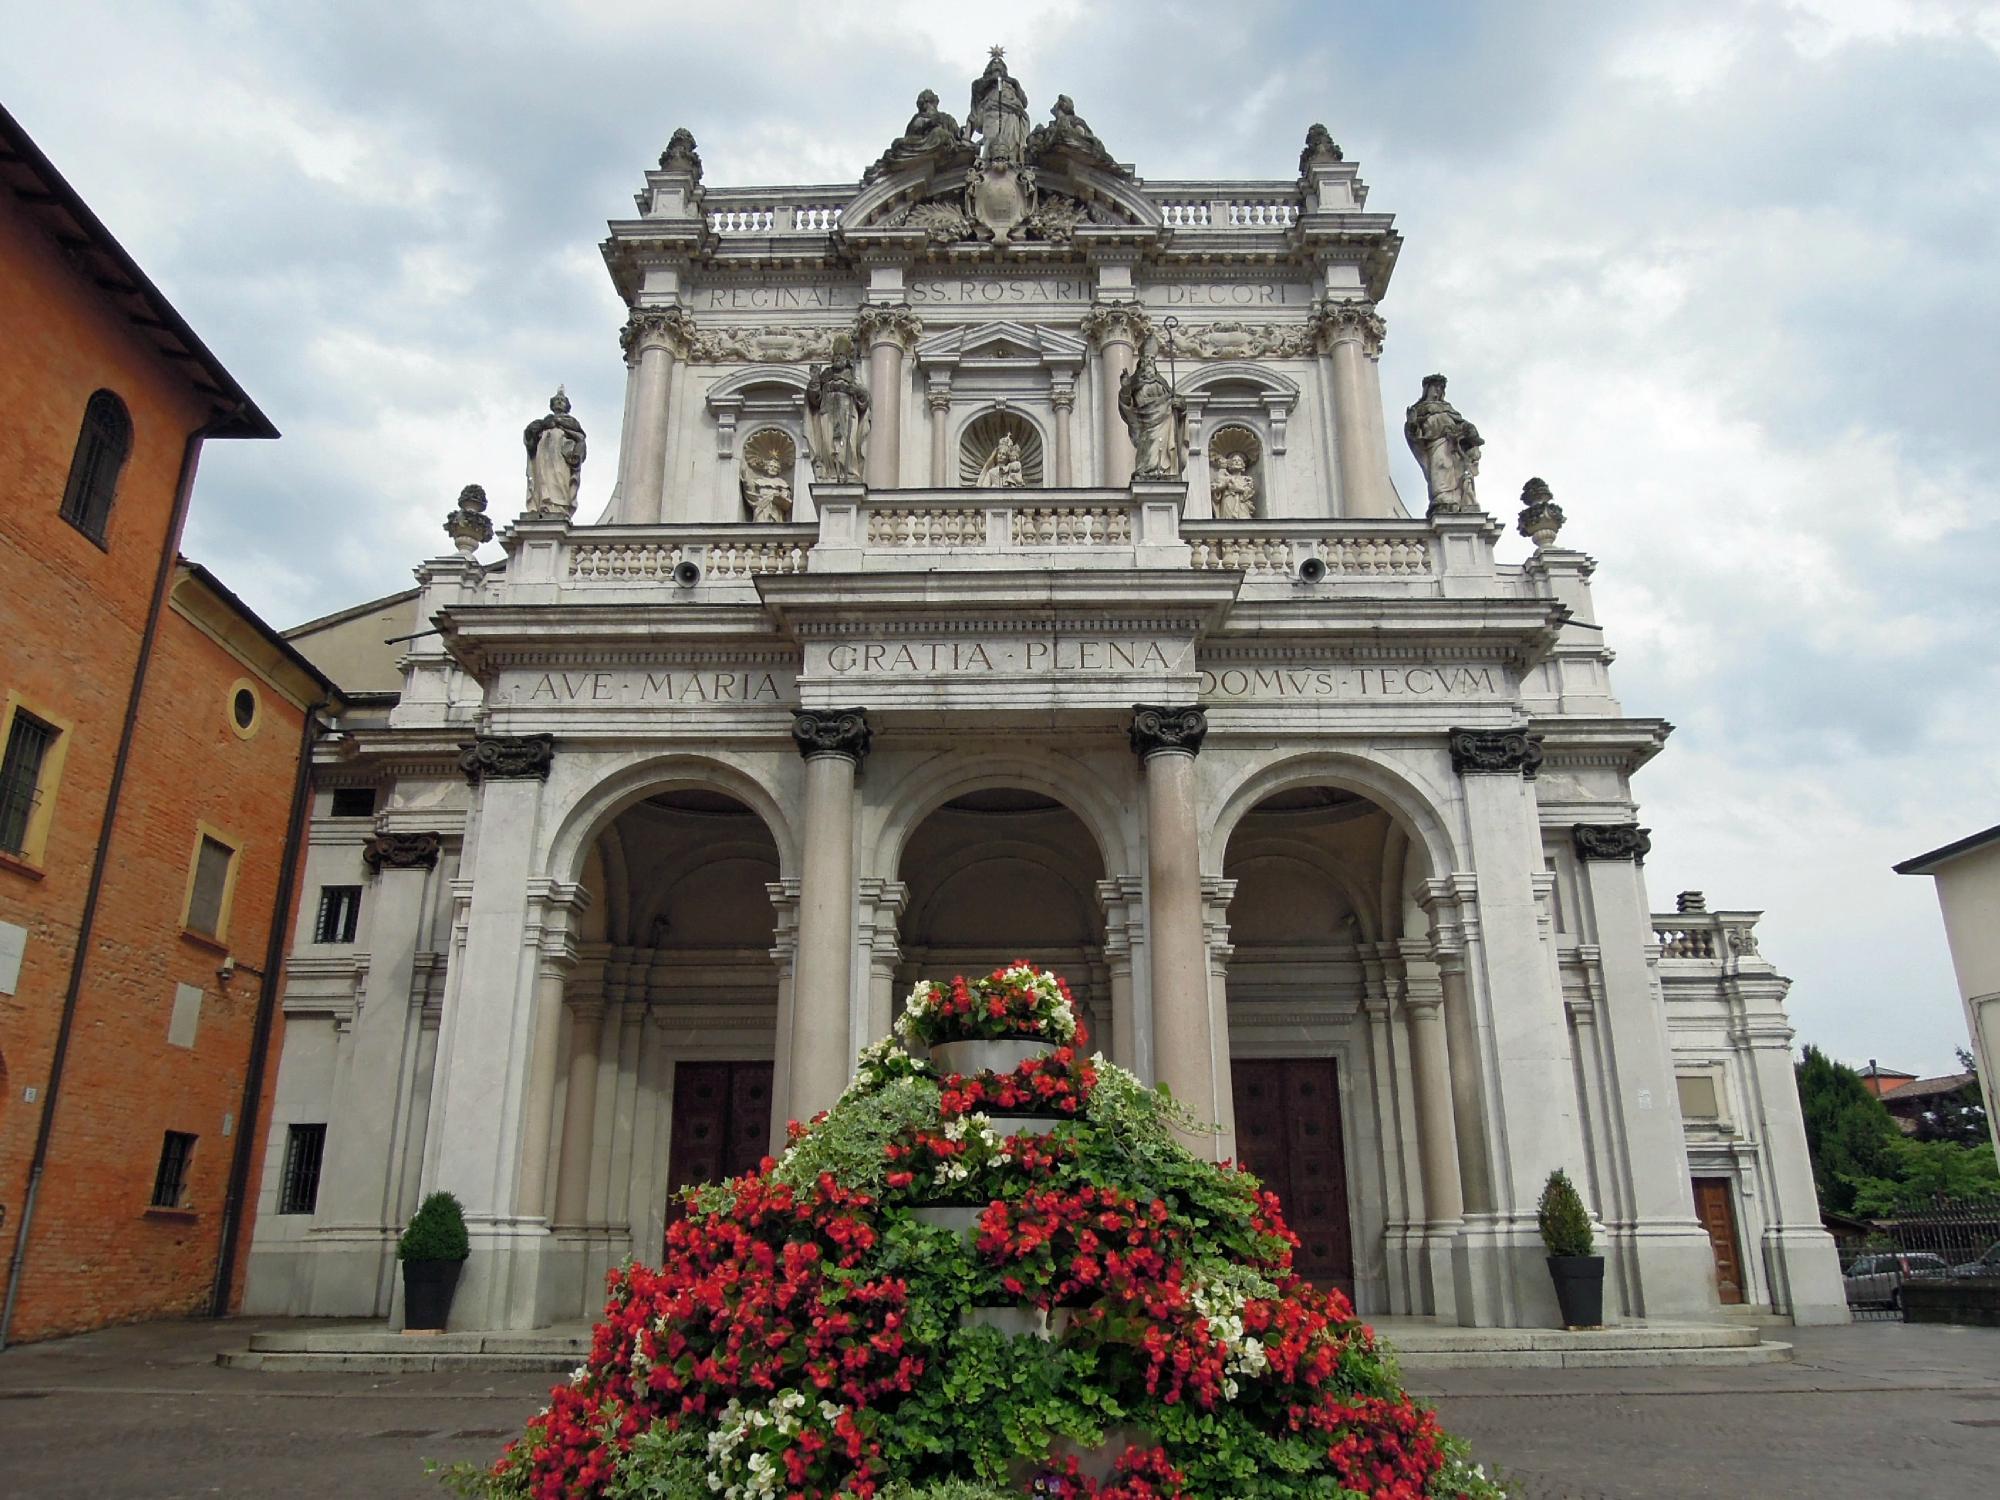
(243, 709)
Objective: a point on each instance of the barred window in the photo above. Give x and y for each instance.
(211, 886)
(170, 1183)
(354, 802)
(339, 909)
(305, 1145)
(102, 446)
(28, 744)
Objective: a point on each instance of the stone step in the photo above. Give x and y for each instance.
(384, 1351)
(1414, 1337)
(410, 1362)
(1714, 1357)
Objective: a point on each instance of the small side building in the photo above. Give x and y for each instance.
(1968, 890)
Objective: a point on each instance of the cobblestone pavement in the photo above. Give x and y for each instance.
(1870, 1411)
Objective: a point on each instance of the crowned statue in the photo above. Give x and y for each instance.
(1002, 469)
(1232, 493)
(1000, 114)
(555, 459)
(1155, 417)
(766, 490)
(1446, 446)
(836, 416)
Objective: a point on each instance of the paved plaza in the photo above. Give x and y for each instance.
(1872, 1410)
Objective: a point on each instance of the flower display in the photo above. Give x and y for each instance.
(1017, 1001)
(809, 1337)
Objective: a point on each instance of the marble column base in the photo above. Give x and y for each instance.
(1804, 1271)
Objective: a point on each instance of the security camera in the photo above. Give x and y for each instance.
(687, 574)
(1312, 570)
(227, 969)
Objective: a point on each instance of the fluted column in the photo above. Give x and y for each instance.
(833, 742)
(1184, 1041)
(1351, 335)
(1062, 400)
(651, 338)
(888, 334)
(1115, 328)
(937, 397)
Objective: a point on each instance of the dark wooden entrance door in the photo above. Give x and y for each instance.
(1716, 1209)
(1288, 1133)
(722, 1121)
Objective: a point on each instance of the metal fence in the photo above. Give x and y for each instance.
(1948, 1239)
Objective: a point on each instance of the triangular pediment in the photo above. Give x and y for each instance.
(1000, 340)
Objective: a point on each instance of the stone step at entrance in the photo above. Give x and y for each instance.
(1423, 1344)
(375, 1349)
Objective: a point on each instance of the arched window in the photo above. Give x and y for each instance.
(101, 450)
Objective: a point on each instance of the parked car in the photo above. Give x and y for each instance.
(1876, 1280)
(1988, 1263)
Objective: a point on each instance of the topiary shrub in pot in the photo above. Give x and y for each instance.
(1577, 1271)
(433, 1251)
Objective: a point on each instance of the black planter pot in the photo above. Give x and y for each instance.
(1579, 1283)
(427, 1289)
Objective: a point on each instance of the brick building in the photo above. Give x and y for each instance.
(152, 730)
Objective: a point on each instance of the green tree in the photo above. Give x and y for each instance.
(1958, 1117)
(1850, 1135)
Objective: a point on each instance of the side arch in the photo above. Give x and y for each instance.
(1063, 780)
(595, 809)
(1415, 808)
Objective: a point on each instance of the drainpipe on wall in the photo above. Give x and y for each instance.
(100, 860)
(267, 1010)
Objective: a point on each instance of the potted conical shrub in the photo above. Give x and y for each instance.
(433, 1251)
(1576, 1269)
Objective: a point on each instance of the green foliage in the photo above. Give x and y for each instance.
(850, 1142)
(663, 1465)
(947, 1489)
(1864, 1166)
(1960, 1117)
(1924, 1173)
(436, 1232)
(1564, 1221)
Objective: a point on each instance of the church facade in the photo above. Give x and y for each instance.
(1004, 561)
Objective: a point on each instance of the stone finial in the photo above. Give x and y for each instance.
(1320, 149)
(1541, 518)
(1690, 903)
(467, 526)
(680, 155)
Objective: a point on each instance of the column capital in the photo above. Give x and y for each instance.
(668, 328)
(507, 757)
(1335, 322)
(587, 1007)
(1495, 752)
(1062, 396)
(401, 851)
(937, 395)
(888, 323)
(1611, 841)
(832, 731)
(1116, 322)
(1158, 729)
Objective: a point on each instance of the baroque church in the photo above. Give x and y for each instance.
(1003, 560)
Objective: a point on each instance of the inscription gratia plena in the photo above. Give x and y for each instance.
(1350, 682)
(1053, 654)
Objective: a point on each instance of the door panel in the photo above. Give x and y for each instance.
(1716, 1208)
(722, 1121)
(1288, 1133)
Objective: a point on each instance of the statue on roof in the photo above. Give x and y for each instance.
(680, 155)
(555, 459)
(1446, 447)
(1320, 149)
(931, 133)
(1067, 132)
(999, 114)
(836, 416)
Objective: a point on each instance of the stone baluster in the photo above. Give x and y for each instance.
(888, 333)
(1167, 739)
(1350, 334)
(652, 338)
(1115, 328)
(833, 742)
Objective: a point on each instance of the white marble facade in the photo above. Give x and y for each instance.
(677, 785)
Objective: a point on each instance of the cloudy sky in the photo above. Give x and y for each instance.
(1723, 274)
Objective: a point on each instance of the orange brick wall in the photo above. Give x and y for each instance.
(71, 616)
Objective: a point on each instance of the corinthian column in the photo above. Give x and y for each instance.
(1185, 1045)
(1350, 335)
(888, 333)
(650, 338)
(819, 1047)
(1115, 328)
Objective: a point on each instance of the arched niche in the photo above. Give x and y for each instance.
(981, 437)
(767, 474)
(1236, 473)
(750, 402)
(1247, 397)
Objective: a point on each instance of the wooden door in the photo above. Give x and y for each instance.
(722, 1121)
(1288, 1133)
(1716, 1208)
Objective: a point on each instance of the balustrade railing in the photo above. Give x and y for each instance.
(720, 552)
(755, 215)
(1707, 935)
(1391, 549)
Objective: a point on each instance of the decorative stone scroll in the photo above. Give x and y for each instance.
(759, 343)
(506, 757)
(401, 851)
(1231, 338)
(832, 731)
(1612, 841)
(1494, 752)
(1157, 729)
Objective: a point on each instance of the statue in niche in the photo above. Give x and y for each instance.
(766, 490)
(1155, 417)
(1000, 114)
(1231, 491)
(555, 459)
(1066, 131)
(930, 133)
(1003, 468)
(1446, 446)
(837, 416)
